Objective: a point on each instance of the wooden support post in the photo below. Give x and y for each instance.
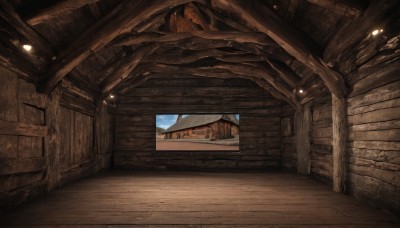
(303, 126)
(338, 143)
(52, 146)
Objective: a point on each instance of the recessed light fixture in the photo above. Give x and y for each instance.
(27, 47)
(111, 96)
(301, 91)
(376, 32)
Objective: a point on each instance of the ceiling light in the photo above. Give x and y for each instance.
(376, 32)
(111, 96)
(301, 91)
(27, 47)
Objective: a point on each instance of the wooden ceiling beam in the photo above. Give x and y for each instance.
(267, 21)
(340, 7)
(26, 34)
(59, 8)
(122, 19)
(240, 37)
(285, 72)
(218, 72)
(346, 39)
(126, 68)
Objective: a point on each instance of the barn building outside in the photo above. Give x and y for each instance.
(211, 127)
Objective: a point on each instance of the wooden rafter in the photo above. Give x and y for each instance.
(265, 20)
(57, 9)
(345, 40)
(240, 37)
(341, 7)
(231, 70)
(212, 72)
(125, 69)
(25, 33)
(122, 19)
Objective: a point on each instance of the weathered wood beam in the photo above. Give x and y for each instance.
(226, 20)
(13, 128)
(183, 56)
(303, 120)
(340, 7)
(344, 41)
(338, 143)
(21, 165)
(226, 71)
(52, 141)
(57, 9)
(240, 37)
(26, 34)
(10, 59)
(260, 72)
(285, 72)
(126, 67)
(122, 19)
(267, 21)
(153, 23)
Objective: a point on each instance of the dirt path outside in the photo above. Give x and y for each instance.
(165, 145)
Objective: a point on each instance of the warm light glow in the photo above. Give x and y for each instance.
(111, 96)
(376, 32)
(105, 102)
(301, 91)
(27, 47)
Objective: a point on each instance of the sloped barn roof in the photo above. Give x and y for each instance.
(200, 120)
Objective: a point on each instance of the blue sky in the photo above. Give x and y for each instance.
(166, 120)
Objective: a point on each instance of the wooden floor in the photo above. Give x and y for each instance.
(180, 199)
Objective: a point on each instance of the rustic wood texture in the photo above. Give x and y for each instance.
(341, 7)
(120, 20)
(338, 143)
(372, 148)
(303, 127)
(197, 199)
(321, 138)
(55, 10)
(22, 132)
(288, 39)
(288, 142)
(135, 123)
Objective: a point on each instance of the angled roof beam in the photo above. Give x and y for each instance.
(266, 21)
(125, 69)
(228, 71)
(341, 7)
(25, 32)
(55, 10)
(121, 19)
(240, 37)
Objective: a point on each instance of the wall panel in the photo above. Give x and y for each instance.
(260, 139)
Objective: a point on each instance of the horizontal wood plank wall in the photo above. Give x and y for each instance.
(22, 124)
(288, 146)
(259, 123)
(373, 144)
(321, 138)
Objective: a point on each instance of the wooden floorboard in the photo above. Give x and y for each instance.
(195, 199)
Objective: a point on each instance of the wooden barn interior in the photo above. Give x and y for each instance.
(316, 84)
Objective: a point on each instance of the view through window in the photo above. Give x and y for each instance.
(193, 132)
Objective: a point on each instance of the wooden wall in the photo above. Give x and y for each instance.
(321, 138)
(36, 158)
(288, 145)
(373, 144)
(22, 132)
(260, 139)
